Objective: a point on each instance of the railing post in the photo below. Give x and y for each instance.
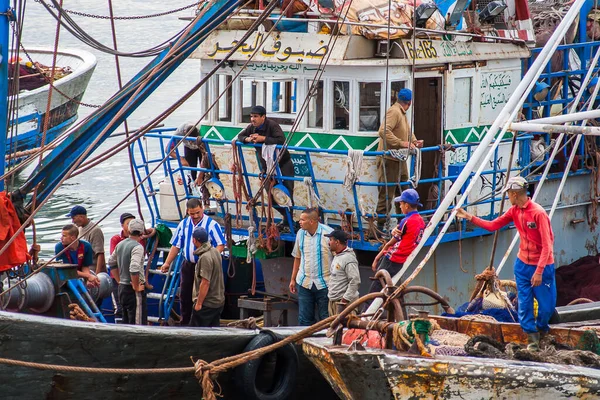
(4, 19)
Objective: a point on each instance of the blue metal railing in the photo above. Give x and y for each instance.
(494, 178)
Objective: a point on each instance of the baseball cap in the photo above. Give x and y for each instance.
(125, 216)
(260, 110)
(338, 234)
(136, 225)
(515, 183)
(200, 234)
(594, 15)
(409, 196)
(77, 210)
(405, 95)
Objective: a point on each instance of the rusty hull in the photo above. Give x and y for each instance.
(385, 374)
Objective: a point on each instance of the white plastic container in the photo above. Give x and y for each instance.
(167, 203)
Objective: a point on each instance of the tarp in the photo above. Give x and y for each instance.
(376, 12)
(16, 254)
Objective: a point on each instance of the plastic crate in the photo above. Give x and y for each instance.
(240, 250)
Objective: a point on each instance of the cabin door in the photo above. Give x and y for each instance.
(427, 117)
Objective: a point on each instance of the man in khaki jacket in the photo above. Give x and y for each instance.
(394, 134)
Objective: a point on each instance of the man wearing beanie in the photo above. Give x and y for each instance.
(266, 131)
(394, 134)
(128, 257)
(209, 286)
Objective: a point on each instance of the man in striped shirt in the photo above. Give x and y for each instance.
(183, 240)
(310, 274)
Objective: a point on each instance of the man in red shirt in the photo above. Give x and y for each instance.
(405, 237)
(534, 266)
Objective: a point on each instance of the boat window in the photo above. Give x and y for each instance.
(395, 88)
(253, 93)
(369, 106)
(224, 110)
(341, 105)
(462, 104)
(281, 101)
(278, 98)
(315, 104)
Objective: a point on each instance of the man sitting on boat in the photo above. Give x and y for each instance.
(209, 285)
(92, 234)
(394, 134)
(345, 276)
(310, 273)
(405, 237)
(78, 252)
(268, 132)
(534, 266)
(183, 239)
(128, 257)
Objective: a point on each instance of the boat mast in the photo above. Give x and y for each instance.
(4, 18)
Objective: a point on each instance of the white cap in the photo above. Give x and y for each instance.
(515, 183)
(136, 225)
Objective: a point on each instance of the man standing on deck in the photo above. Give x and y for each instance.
(92, 234)
(128, 257)
(405, 238)
(310, 274)
(79, 252)
(394, 134)
(268, 132)
(183, 240)
(534, 266)
(209, 286)
(345, 277)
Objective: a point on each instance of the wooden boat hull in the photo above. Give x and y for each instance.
(387, 374)
(57, 341)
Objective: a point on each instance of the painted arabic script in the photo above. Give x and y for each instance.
(495, 89)
(276, 51)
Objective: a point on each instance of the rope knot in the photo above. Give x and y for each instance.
(202, 373)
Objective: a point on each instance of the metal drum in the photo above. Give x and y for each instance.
(37, 295)
(104, 289)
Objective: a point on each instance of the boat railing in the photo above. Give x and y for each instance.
(157, 144)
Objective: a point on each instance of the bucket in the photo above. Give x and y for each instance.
(168, 205)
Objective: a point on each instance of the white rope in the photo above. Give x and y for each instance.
(354, 163)
(399, 154)
(414, 180)
(251, 244)
(313, 199)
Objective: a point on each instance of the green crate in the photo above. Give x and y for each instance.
(240, 250)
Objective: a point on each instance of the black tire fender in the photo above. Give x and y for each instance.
(284, 381)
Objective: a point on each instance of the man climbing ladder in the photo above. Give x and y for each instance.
(534, 266)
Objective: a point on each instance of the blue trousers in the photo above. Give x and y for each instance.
(307, 299)
(545, 294)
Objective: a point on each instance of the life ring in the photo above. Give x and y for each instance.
(271, 377)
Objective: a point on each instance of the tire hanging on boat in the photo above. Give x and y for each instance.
(283, 363)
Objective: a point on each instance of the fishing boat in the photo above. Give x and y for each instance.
(26, 130)
(328, 81)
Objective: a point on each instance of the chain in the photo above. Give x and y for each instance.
(52, 84)
(82, 14)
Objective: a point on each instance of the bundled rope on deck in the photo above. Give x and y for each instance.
(586, 354)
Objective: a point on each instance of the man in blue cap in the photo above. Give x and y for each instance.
(268, 132)
(405, 237)
(209, 286)
(394, 134)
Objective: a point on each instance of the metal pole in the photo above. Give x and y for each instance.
(4, 11)
(561, 119)
(506, 116)
(549, 128)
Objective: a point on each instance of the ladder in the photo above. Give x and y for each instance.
(168, 290)
(82, 295)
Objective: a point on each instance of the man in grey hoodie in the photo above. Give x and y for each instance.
(345, 277)
(209, 287)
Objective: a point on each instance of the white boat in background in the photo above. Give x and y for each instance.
(28, 124)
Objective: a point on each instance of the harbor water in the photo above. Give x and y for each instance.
(104, 186)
